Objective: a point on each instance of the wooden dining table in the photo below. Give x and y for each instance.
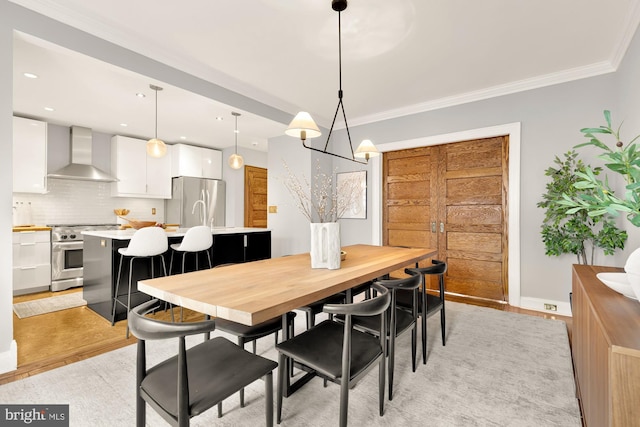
(253, 292)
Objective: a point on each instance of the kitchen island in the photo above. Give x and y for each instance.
(101, 259)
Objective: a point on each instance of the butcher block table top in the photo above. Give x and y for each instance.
(253, 292)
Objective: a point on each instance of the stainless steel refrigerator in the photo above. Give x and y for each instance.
(196, 201)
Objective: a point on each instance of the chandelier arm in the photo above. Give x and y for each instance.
(304, 144)
(346, 126)
(326, 144)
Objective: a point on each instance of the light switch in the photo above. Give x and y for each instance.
(273, 209)
(153, 211)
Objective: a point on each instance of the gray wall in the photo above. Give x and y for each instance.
(234, 180)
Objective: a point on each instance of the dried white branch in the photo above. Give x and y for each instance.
(321, 199)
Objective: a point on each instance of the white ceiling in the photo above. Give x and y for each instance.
(399, 57)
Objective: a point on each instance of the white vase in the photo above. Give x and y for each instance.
(632, 268)
(325, 245)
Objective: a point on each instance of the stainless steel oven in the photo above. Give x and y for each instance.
(66, 254)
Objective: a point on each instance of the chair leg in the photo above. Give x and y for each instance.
(391, 362)
(219, 409)
(171, 262)
(414, 336)
(210, 265)
(442, 323)
(115, 299)
(268, 398)
(424, 338)
(241, 344)
(344, 398)
(207, 335)
(309, 320)
(280, 386)
(380, 386)
(129, 292)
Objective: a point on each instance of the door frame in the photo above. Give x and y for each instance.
(513, 131)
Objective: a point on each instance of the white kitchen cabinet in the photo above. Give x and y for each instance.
(138, 174)
(198, 162)
(29, 156)
(31, 261)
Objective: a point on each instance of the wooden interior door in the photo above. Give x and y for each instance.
(453, 197)
(255, 197)
(409, 199)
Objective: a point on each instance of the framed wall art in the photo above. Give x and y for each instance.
(352, 194)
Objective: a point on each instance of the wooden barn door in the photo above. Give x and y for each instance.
(464, 215)
(255, 197)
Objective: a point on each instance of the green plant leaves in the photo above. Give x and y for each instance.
(581, 207)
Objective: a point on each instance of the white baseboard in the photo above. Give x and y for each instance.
(9, 358)
(537, 304)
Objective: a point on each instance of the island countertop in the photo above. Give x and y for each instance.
(128, 233)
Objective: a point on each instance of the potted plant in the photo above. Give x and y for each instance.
(569, 231)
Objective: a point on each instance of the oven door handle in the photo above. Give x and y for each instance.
(68, 245)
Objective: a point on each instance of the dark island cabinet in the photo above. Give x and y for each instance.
(101, 260)
(241, 247)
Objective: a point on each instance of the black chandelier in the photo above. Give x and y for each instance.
(304, 127)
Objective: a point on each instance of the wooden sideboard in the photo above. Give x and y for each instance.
(606, 350)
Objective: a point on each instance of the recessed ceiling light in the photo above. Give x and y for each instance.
(30, 75)
(140, 95)
(124, 125)
(49, 109)
(183, 137)
(219, 118)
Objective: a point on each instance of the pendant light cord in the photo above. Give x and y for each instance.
(156, 135)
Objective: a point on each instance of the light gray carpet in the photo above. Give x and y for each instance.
(48, 305)
(497, 369)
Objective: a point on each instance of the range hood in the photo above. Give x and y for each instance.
(80, 167)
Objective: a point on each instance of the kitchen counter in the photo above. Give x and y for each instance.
(31, 228)
(180, 232)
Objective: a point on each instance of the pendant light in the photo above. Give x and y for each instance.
(156, 147)
(235, 160)
(303, 126)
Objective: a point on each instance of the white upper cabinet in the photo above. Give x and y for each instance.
(198, 162)
(29, 156)
(138, 174)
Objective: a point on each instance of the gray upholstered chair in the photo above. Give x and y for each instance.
(196, 379)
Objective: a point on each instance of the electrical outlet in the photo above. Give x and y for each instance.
(273, 209)
(550, 307)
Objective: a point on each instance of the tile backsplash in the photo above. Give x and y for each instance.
(85, 202)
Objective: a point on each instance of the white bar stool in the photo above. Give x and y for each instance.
(146, 242)
(196, 239)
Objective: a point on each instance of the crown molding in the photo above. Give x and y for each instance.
(632, 20)
(564, 76)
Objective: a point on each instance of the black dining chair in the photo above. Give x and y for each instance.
(312, 310)
(245, 334)
(196, 379)
(398, 320)
(428, 303)
(337, 352)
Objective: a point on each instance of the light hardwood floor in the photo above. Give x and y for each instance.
(55, 339)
